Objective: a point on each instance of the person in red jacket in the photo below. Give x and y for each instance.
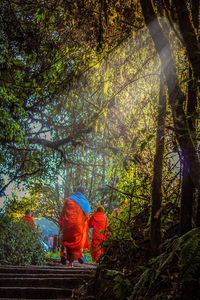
(98, 222)
(74, 225)
(29, 219)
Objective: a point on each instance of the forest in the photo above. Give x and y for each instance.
(105, 94)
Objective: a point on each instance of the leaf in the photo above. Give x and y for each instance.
(114, 150)
(143, 145)
(150, 137)
(134, 142)
(113, 273)
(186, 80)
(105, 87)
(136, 159)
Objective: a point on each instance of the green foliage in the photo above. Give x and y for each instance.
(53, 255)
(119, 284)
(19, 244)
(179, 263)
(122, 287)
(190, 255)
(119, 254)
(120, 226)
(88, 257)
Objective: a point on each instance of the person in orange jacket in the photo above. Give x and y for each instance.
(74, 225)
(98, 222)
(29, 219)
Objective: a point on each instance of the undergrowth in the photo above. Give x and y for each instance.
(126, 270)
(55, 255)
(166, 276)
(19, 244)
(174, 274)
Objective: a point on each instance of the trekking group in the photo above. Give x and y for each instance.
(74, 223)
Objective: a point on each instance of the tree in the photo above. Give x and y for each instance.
(38, 69)
(176, 96)
(156, 205)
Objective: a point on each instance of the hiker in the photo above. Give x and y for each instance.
(98, 222)
(55, 243)
(29, 219)
(50, 243)
(74, 225)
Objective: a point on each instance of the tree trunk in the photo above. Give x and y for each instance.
(188, 189)
(103, 178)
(187, 200)
(188, 32)
(176, 96)
(92, 179)
(156, 197)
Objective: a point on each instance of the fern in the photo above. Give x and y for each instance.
(190, 255)
(180, 260)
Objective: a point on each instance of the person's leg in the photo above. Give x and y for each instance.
(72, 258)
(65, 250)
(63, 258)
(80, 260)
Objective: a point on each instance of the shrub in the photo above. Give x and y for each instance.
(175, 271)
(19, 244)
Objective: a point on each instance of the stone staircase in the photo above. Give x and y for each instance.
(43, 282)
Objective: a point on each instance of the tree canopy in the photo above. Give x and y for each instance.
(104, 93)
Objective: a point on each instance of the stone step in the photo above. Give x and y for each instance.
(42, 282)
(35, 293)
(44, 270)
(49, 275)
